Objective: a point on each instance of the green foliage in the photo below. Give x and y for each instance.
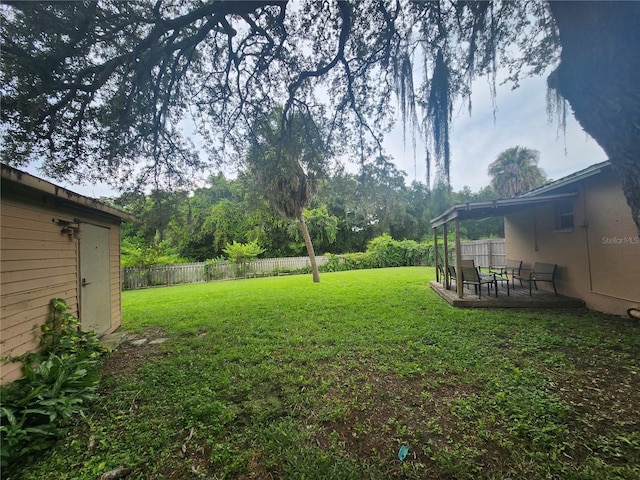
(382, 251)
(61, 334)
(334, 263)
(323, 227)
(385, 251)
(225, 222)
(286, 159)
(242, 252)
(137, 254)
(212, 268)
(348, 212)
(347, 261)
(357, 261)
(56, 386)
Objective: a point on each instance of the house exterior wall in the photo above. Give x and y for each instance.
(37, 263)
(598, 259)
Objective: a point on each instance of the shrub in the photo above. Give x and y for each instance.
(241, 254)
(382, 251)
(359, 260)
(385, 251)
(137, 254)
(58, 383)
(214, 268)
(335, 263)
(415, 253)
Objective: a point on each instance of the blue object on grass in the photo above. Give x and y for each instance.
(402, 453)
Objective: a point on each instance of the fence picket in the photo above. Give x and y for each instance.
(490, 252)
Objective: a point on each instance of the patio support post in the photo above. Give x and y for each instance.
(490, 254)
(447, 280)
(458, 258)
(435, 251)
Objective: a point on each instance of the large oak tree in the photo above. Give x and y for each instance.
(101, 89)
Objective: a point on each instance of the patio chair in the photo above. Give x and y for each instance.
(472, 264)
(471, 276)
(511, 269)
(543, 272)
(441, 274)
(451, 271)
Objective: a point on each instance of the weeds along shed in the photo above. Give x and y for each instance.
(54, 243)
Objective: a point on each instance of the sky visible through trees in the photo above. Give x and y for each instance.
(521, 119)
(476, 140)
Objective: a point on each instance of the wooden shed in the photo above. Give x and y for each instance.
(54, 243)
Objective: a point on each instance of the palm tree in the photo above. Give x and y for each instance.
(286, 160)
(516, 171)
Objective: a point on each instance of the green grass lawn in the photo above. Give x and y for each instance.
(282, 378)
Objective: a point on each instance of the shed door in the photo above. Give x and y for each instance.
(95, 285)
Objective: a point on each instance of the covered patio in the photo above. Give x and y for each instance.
(517, 297)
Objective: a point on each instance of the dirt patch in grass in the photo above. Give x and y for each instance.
(128, 356)
(371, 414)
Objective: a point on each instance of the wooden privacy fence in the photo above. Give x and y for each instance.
(489, 252)
(134, 278)
(143, 277)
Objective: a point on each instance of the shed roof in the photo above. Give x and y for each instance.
(553, 191)
(62, 197)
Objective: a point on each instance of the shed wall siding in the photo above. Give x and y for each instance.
(38, 263)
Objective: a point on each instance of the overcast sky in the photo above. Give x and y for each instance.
(476, 139)
(520, 119)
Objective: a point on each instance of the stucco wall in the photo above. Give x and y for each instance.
(598, 260)
(38, 263)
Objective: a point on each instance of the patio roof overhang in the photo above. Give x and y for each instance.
(477, 210)
(495, 208)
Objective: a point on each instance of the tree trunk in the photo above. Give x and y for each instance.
(599, 76)
(310, 252)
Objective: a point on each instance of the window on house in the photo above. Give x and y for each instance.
(564, 216)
